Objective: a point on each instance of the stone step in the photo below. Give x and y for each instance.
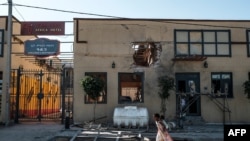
(193, 120)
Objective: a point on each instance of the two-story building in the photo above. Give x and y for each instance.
(208, 60)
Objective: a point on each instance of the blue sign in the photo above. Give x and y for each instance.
(42, 47)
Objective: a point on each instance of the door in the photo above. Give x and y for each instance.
(188, 94)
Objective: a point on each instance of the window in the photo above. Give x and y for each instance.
(146, 53)
(1, 42)
(103, 97)
(202, 42)
(248, 43)
(130, 87)
(222, 84)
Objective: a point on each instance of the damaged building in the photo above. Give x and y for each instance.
(207, 59)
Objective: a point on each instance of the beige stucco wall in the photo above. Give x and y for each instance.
(110, 40)
(2, 68)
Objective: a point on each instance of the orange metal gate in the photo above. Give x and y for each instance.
(38, 95)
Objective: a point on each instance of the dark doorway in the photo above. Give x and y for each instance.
(188, 94)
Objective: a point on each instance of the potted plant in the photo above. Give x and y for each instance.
(246, 86)
(93, 87)
(166, 84)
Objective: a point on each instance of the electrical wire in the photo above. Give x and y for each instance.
(117, 17)
(66, 11)
(4, 4)
(19, 13)
(156, 20)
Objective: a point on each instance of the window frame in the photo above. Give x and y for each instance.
(141, 75)
(202, 42)
(222, 89)
(104, 74)
(248, 42)
(1, 42)
(1, 82)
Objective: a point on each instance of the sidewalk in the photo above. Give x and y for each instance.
(206, 132)
(54, 131)
(30, 131)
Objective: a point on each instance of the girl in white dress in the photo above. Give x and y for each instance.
(162, 133)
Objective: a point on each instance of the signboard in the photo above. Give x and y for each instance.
(41, 47)
(42, 28)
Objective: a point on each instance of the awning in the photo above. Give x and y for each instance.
(190, 58)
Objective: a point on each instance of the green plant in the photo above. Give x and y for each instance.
(246, 86)
(166, 84)
(93, 86)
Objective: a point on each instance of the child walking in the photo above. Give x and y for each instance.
(162, 133)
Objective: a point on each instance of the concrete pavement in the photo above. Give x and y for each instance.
(30, 131)
(54, 131)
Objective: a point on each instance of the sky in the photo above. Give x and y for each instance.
(38, 10)
(166, 9)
